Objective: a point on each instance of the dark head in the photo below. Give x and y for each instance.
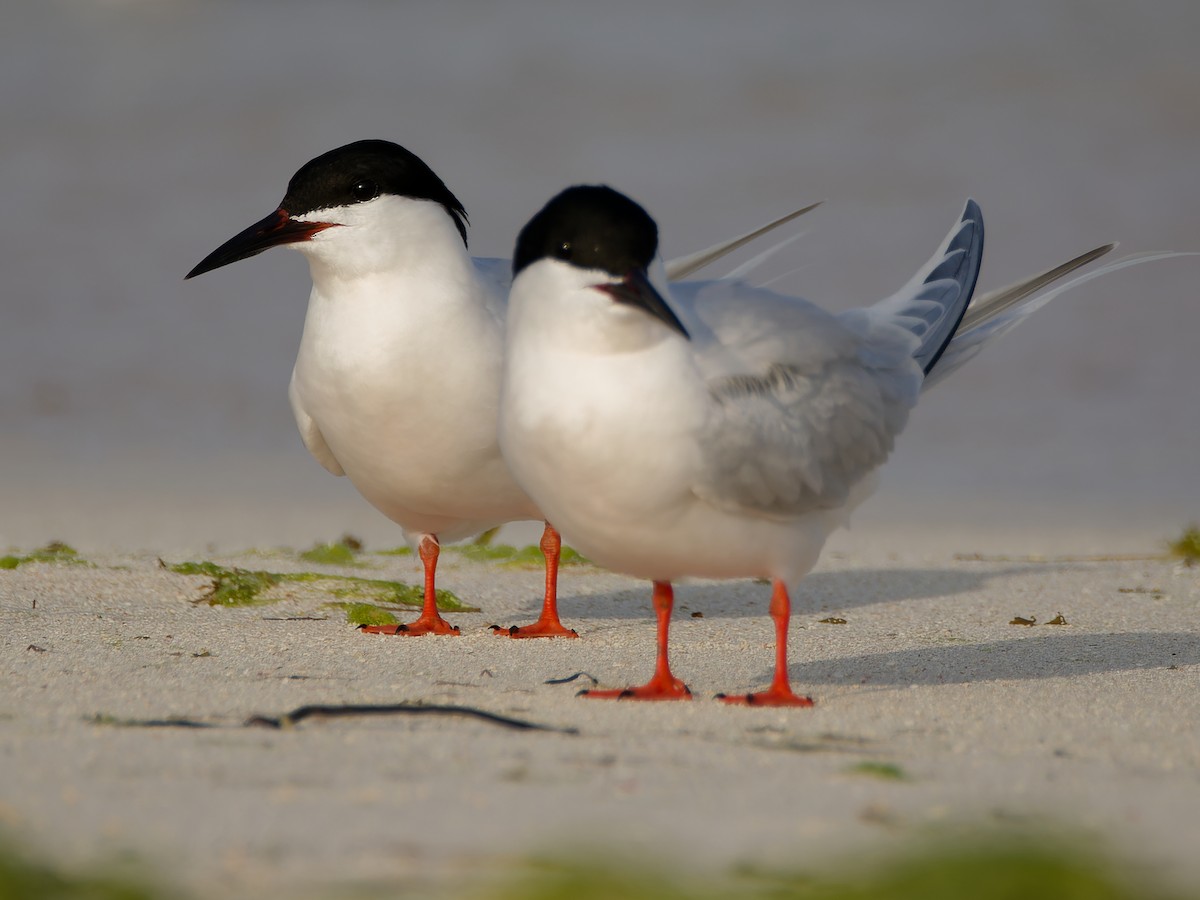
(596, 227)
(590, 226)
(354, 174)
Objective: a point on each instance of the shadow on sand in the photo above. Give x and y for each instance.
(1046, 655)
(819, 591)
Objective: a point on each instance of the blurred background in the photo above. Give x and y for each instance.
(139, 411)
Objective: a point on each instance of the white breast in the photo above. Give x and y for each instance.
(402, 380)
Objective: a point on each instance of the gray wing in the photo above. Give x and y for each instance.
(805, 404)
(802, 405)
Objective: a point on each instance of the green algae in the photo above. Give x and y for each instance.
(383, 591)
(339, 554)
(54, 552)
(394, 551)
(22, 876)
(365, 614)
(231, 587)
(498, 553)
(983, 865)
(884, 771)
(236, 586)
(486, 537)
(527, 557)
(247, 587)
(1187, 546)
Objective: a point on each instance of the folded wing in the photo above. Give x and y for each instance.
(804, 403)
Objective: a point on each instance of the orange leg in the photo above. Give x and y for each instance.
(430, 621)
(664, 685)
(780, 691)
(548, 624)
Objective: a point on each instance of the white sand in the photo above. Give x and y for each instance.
(142, 412)
(1094, 725)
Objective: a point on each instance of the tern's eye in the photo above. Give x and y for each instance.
(365, 190)
(563, 250)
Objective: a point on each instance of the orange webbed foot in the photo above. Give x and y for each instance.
(658, 688)
(772, 696)
(539, 629)
(423, 625)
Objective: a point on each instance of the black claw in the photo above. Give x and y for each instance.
(625, 694)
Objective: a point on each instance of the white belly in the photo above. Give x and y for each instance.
(408, 409)
(616, 477)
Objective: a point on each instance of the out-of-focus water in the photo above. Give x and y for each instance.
(137, 136)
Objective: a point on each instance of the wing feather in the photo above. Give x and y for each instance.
(804, 404)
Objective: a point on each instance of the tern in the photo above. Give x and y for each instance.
(717, 429)
(397, 380)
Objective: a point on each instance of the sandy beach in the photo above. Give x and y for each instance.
(933, 711)
(145, 419)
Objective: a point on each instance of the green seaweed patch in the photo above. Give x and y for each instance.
(486, 537)
(231, 587)
(382, 591)
(339, 554)
(948, 869)
(491, 552)
(54, 552)
(572, 557)
(244, 587)
(365, 614)
(22, 875)
(884, 771)
(395, 551)
(1187, 546)
(527, 557)
(211, 569)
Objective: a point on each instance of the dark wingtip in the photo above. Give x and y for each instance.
(972, 258)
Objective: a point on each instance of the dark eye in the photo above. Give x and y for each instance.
(563, 250)
(365, 190)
